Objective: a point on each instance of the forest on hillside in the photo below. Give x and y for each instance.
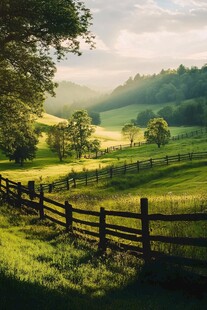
(182, 92)
(69, 97)
(166, 87)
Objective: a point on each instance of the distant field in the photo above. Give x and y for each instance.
(49, 119)
(115, 119)
(46, 166)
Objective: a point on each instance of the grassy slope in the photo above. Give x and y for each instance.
(115, 119)
(46, 166)
(42, 268)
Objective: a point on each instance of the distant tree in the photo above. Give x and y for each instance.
(80, 131)
(58, 140)
(94, 146)
(166, 113)
(95, 118)
(144, 117)
(131, 132)
(157, 132)
(182, 70)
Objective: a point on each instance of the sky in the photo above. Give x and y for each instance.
(138, 36)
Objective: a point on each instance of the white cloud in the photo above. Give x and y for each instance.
(139, 36)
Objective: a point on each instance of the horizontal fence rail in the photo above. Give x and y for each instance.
(108, 228)
(91, 177)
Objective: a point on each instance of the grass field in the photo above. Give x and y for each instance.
(115, 119)
(46, 166)
(44, 268)
(41, 267)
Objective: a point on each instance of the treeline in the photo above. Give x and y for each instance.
(168, 86)
(187, 113)
(70, 97)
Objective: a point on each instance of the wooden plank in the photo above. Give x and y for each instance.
(124, 214)
(86, 232)
(178, 217)
(124, 229)
(180, 260)
(86, 212)
(55, 203)
(201, 242)
(54, 220)
(85, 222)
(123, 236)
(54, 211)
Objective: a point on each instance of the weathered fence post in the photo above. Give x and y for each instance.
(0, 182)
(68, 216)
(50, 187)
(151, 162)
(31, 188)
(86, 175)
(19, 195)
(7, 189)
(102, 231)
(145, 230)
(41, 205)
(178, 157)
(74, 182)
(167, 160)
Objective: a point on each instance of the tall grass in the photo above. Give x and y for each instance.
(43, 268)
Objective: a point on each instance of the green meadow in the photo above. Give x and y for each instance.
(42, 267)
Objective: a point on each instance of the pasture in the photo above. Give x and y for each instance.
(43, 267)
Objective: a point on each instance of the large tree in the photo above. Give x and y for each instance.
(131, 132)
(80, 131)
(157, 132)
(18, 138)
(30, 32)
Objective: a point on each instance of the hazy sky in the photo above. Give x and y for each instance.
(139, 36)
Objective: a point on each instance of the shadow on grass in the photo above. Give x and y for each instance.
(151, 291)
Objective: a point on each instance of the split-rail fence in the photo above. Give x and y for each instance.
(90, 177)
(103, 228)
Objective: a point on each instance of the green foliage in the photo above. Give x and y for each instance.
(80, 131)
(131, 132)
(18, 138)
(28, 31)
(95, 118)
(69, 97)
(144, 117)
(58, 140)
(157, 132)
(163, 88)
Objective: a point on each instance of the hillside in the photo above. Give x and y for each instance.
(179, 96)
(167, 87)
(70, 96)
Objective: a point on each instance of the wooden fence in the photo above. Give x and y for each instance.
(130, 233)
(140, 143)
(91, 177)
